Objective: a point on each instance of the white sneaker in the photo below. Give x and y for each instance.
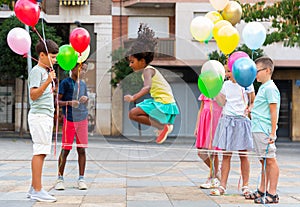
(42, 196)
(29, 191)
(215, 183)
(81, 184)
(207, 184)
(59, 184)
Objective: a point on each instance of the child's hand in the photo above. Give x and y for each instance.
(51, 76)
(83, 99)
(74, 103)
(128, 98)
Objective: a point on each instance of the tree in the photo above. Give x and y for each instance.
(13, 65)
(284, 17)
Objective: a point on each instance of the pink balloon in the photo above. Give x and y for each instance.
(234, 56)
(19, 40)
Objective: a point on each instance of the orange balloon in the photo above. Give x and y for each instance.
(228, 39)
(218, 26)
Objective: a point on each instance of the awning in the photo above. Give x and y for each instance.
(73, 2)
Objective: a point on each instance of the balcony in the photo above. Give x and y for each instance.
(149, 3)
(165, 48)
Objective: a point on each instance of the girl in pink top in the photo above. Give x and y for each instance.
(207, 121)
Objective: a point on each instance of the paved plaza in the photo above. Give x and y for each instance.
(136, 172)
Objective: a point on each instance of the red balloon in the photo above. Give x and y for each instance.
(28, 12)
(80, 39)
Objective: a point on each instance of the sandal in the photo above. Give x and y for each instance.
(255, 195)
(269, 198)
(218, 191)
(245, 190)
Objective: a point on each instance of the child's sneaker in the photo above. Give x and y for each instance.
(29, 191)
(215, 183)
(42, 196)
(210, 183)
(59, 184)
(164, 133)
(81, 184)
(207, 184)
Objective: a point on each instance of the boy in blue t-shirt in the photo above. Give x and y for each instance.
(265, 113)
(73, 98)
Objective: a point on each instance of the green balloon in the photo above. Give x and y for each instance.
(210, 83)
(67, 57)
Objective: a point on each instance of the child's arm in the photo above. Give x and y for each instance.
(148, 73)
(274, 118)
(220, 99)
(198, 119)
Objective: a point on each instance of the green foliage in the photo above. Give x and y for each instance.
(284, 17)
(12, 64)
(123, 75)
(216, 55)
(7, 2)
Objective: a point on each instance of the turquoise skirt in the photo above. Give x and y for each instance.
(164, 113)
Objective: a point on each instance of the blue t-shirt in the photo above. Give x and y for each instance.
(68, 88)
(261, 117)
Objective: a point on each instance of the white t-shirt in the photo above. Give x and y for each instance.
(236, 98)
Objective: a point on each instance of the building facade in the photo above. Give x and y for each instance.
(114, 24)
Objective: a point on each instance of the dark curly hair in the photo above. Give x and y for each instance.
(144, 46)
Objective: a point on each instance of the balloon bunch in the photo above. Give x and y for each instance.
(219, 24)
(18, 39)
(77, 51)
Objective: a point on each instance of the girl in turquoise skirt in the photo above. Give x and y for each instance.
(161, 109)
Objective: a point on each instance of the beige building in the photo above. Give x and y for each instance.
(114, 23)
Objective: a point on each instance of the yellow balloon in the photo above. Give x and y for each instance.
(214, 16)
(218, 26)
(232, 12)
(228, 39)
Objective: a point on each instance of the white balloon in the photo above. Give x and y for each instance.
(254, 35)
(219, 4)
(214, 65)
(201, 28)
(84, 55)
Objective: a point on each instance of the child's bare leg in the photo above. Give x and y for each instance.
(36, 170)
(245, 167)
(273, 174)
(138, 115)
(225, 168)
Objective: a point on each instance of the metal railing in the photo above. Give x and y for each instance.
(165, 47)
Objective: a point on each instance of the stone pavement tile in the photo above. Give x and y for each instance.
(147, 196)
(15, 203)
(56, 204)
(164, 203)
(191, 203)
(100, 199)
(103, 205)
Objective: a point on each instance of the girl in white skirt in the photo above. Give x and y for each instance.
(233, 132)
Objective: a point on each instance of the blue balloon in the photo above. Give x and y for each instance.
(254, 35)
(244, 71)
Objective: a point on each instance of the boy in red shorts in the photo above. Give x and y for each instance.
(74, 99)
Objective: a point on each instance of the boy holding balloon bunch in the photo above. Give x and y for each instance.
(40, 116)
(264, 114)
(233, 132)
